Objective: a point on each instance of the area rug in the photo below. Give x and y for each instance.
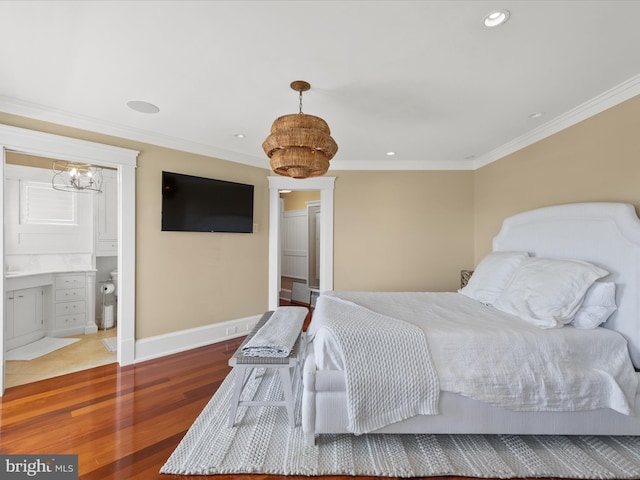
(111, 344)
(39, 348)
(262, 442)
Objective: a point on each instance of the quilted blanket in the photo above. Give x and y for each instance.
(389, 373)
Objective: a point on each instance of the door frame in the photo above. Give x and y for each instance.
(31, 142)
(326, 186)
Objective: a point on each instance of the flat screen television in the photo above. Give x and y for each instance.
(198, 204)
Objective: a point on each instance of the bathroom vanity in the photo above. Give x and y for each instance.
(55, 304)
(52, 239)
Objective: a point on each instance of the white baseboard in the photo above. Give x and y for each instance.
(285, 294)
(175, 342)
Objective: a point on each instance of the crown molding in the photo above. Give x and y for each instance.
(614, 96)
(402, 165)
(61, 117)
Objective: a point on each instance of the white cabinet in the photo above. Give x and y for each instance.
(58, 304)
(73, 304)
(69, 304)
(106, 216)
(24, 316)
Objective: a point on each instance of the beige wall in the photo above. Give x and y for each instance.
(595, 160)
(29, 160)
(296, 200)
(393, 230)
(189, 279)
(402, 231)
(13, 158)
(186, 280)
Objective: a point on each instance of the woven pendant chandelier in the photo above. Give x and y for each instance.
(300, 145)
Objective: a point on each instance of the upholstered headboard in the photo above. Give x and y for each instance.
(606, 234)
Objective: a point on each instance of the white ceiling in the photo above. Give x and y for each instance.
(422, 78)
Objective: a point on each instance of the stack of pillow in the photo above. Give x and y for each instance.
(547, 292)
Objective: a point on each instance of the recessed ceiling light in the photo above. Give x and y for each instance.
(239, 135)
(496, 18)
(391, 154)
(142, 107)
(536, 114)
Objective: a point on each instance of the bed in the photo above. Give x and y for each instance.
(572, 380)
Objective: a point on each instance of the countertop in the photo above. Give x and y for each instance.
(26, 273)
(31, 279)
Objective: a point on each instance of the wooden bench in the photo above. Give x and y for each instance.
(243, 365)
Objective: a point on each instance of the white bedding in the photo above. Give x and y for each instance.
(278, 335)
(407, 385)
(497, 358)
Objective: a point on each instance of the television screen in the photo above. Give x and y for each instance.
(197, 204)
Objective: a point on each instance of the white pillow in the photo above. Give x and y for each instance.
(598, 305)
(492, 275)
(548, 292)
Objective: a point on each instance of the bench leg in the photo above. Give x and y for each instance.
(237, 390)
(285, 378)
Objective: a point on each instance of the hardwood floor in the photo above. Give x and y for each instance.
(87, 353)
(123, 423)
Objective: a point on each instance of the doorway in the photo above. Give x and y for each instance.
(300, 246)
(124, 161)
(323, 184)
(71, 239)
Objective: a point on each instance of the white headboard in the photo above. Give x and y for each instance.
(606, 234)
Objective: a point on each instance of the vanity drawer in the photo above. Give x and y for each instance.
(70, 281)
(70, 308)
(70, 294)
(69, 320)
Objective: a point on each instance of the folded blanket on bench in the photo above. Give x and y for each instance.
(278, 335)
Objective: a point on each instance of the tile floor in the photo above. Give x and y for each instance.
(87, 353)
